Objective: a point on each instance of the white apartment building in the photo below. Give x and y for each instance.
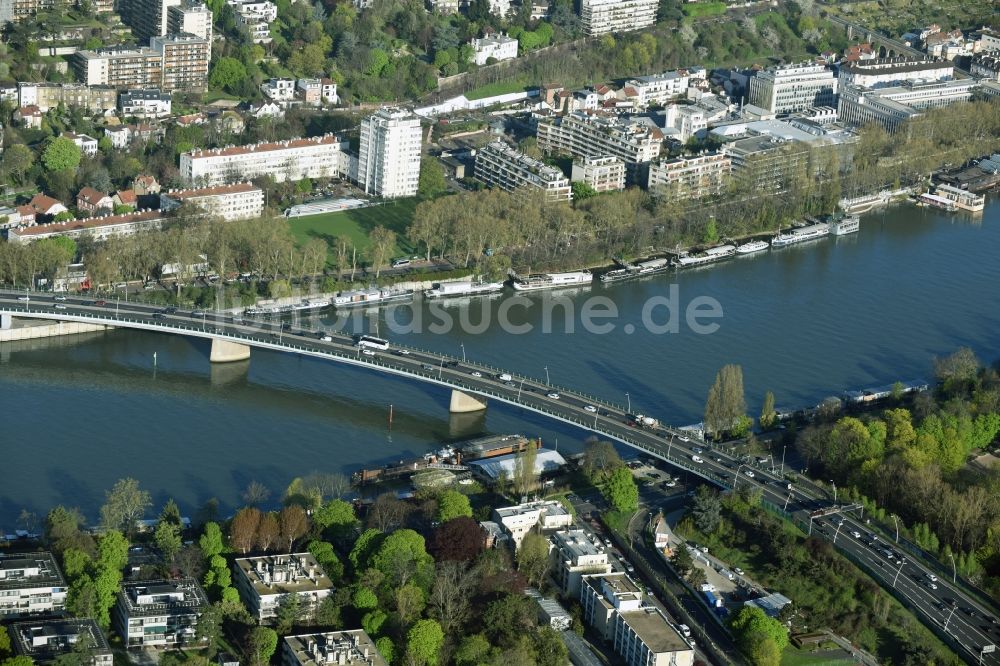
(343, 648)
(95, 99)
(194, 18)
(986, 65)
(657, 89)
(279, 90)
(601, 596)
(885, 72)
(633, 142)
(520, 519)
(149, 103)
(604, 174)
(98, 228)
(686, 120)
(789, 88)
(295, 159)
(239, 201)
(44, 641)
(445, 6)
(159, 613)
(86, 144)
(498, 47)
(263, 582)
(315, 92)
(30, 583)
(255, 18)
(389, 156)
(692, 177)
(603, 16)
(575, 555)
(499, 165)
(890, 107)
(170, 62)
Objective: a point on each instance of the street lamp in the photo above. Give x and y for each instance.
(954, 571)
(463, 351)
(896, 521)
(519, 387)
(787, 500)
(785, 446)
(628, 399)
(902, 561)
(547, 376)
(949, 617)
(834, 490)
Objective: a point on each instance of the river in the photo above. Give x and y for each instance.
(805, 322)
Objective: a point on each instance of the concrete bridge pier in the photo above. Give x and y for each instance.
(6, 321)
(224, 351)
(463, 403)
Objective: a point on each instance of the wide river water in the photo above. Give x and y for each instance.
(805, 322)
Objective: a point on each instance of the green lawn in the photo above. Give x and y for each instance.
(356, 224)
(700, 9)
(792, 656)
(500, 88)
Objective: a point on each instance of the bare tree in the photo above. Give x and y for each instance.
(243, 530)
(268, 532)
(387, 512)
(294, 523)
(256, 493)
(450, 597)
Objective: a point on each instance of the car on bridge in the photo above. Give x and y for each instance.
(59, 298)
(476, 373)
(100, 303)
(697, 459)
(554, 396)
(591, 409)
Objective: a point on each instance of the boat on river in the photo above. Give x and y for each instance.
(752, 247)
(801, 235)
(373, 296)
(539, 281)
(464, 288)
(638, 270)
(709, 256)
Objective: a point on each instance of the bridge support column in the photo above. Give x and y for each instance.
(224, 351)
(6, 321)
(463, 403)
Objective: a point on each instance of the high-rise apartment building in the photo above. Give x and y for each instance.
(603, 16)
(170, 62)
(389, 157)
(194, 18)
(499, 165)
(185, 61)
(147, 18)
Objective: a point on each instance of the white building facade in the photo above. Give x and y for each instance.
(239, 201)
(295, 159)
(389, 156)
(30, 583)
(790, 88)
(499, 165)
(600, 17)
(498, 47)
(603, 174)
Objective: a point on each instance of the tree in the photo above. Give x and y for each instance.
(752, 629)
(261, 642)
(621, 491)
(472, 651)
(209, 628)
(726, 402)
(550, 650)
(451, 595)
(373, 620)
(168, 539)
(382, 242)
(459, 539)
(124, 504)
(432, 180)
(599, 459)
(243, 529)
(401, 557)
(410, 602)
(294, 524)
(4, 642)
(682, 561)
(768, 417)
(61, 154)
(288, 613)
(957, 369)
(227, 73)
(385, 647)
(525, 478)
(387, 512)
(508, 618)
(211, 541)
(171, 513)
(268, 532)
(706, 510)
(62, 530)
(256, 493)
(364, 548)
(533, 557)
(424, 641)
(16, 162)
(453, 504)
(582, 191)
(336, 518)
(19, 660)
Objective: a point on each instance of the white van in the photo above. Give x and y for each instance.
(504, 377)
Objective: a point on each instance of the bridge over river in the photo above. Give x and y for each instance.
(966, 625)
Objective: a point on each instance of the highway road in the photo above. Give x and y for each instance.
(948, 608)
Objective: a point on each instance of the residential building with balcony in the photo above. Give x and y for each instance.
(146, 18)
(193, 18)
(98, 228)
(499, 165)
(684, 121)
(239, 201)
(600, 17)
(149, 103)
(279, 90)
(574, 555)
(790, 88)
(634, 142)
(887, 72)
(86, 144)
(30, 583)
(499, 47)
(690, 177)
(341, 648)
(603, 174)
(520, 519)
(254, 17)
(159, 613)
(656, 90)
(294, 159)
(185, 60)
(263, 582)
(389, 155)
(18, 11)
(120, 67)
(44, 641)
(890, 107)
(766, 163)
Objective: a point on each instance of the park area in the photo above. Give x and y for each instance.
(356, 224)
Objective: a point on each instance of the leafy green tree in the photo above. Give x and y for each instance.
(336, 517)
(20, 660)
(432, 181)
(168, 539)
(386, 648)
(621, 491)
(533, 557)
(753, 629)
(16, 162)
(706, 510)
(550, 650)
(402, 557)
(364, 599)
(768, 417)
(227, 74)
(582, 191)
(424, 641)
(261, 642)
(75, 562)
(61, 154)
(682, 561)
(289, 612)
(364, 548)
(209, 628)
(4, 642)
(373, 620)
(726, 402)
(327, 558)
(453, 504)
(125, 503)
(211, 542)
(410, 602)
(472, 651)
(508, 618)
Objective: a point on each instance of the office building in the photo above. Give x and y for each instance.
(389, 157)
(92, 99)
(44, 641)
(294, 159)
(886, 72)
(148, 103)
(633, 141)
(603, 174)
(603, 16)
(890, 107)
(239, 201)
(574, 555)
(498, 47)
(684, 121)
(520, 519)
(343, 648)
(601, 596)
(499, 165)
(194, 18)
(263, 582)
(689, 177)
(159, 613)
(30, 583)
(790, 88)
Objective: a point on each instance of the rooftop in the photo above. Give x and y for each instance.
(284, 574)
(576, 544)
(90, 223)
(546, 461)
(29, 570)
(43, 640)
(160, 597)
(550, 507)
(542, 170)
(894, 66)
(654, 630)
(344, 648)
(291, 144)
(219, 190)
